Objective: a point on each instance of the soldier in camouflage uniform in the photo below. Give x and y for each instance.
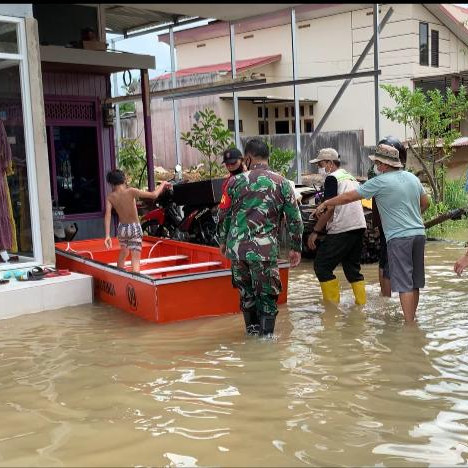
(248, 235)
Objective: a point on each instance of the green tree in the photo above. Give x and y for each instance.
(210, 137)
(132, 160)
(126, 107)
(280, 159)
(433, 119)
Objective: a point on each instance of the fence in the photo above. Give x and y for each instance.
(348, 143)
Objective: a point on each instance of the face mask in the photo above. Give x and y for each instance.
(376, 171)
(237, 171)
(322, 171)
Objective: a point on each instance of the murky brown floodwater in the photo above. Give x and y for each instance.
(93, 386)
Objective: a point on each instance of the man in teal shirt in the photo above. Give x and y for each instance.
(401, 200)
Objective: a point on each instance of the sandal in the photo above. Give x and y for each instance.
(36, 274)
(54, 273)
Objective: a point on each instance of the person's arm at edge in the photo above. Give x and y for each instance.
(424, 202)
(343, 199)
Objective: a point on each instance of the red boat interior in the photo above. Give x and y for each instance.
(160, 258)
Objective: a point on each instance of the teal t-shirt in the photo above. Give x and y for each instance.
(398, 198)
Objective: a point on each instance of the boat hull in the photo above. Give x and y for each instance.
(165, 296)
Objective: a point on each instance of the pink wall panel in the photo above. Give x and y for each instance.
(75, 84)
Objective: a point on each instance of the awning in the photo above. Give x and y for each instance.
(241, 65)
(57, 58)
(122, 18)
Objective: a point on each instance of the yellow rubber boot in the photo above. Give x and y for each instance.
(359, 289)
(331, 291)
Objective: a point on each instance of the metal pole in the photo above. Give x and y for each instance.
(147, 125)
(235, 101)
(376, 77)
(354, 70)
(297, 114)
(175, 107)
(118, 129)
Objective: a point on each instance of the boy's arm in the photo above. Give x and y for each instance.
(155, 194)
(107, 222)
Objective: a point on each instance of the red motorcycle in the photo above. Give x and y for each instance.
(185, 223)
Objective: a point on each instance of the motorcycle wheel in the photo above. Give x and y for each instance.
(153, 228)
(207, 233)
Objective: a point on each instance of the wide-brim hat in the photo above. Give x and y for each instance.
(326, 154)
(386, 154)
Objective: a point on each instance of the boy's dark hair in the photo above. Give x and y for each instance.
(116, 177)
(257, 148)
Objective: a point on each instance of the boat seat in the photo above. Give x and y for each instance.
(189, 266)
(145, 261)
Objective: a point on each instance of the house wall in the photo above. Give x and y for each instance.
(331, 45)
(85, 85)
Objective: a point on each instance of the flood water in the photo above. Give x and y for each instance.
(93, 386)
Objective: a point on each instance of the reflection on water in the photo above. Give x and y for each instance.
(93, 386)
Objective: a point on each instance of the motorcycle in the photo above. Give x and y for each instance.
(189, 223)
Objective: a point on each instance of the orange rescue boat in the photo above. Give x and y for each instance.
(178, 280)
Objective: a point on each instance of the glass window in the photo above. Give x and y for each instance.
(259, 112)
(276, 113)
(232, 128)
(301, 108)
(76, 169)
(8, 38)
(15, 215)
(282, 126)
(435, 48)
(286, 111)
(311, 109)
(263, 128)
(423, 44)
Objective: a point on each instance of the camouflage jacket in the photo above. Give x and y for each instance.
(250, 225)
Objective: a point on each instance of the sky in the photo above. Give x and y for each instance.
(147, 44)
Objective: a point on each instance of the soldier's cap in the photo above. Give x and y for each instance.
(231, 155)
(386, 154)
(326, 154)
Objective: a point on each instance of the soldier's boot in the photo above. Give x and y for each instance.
(252, 324)
(331, 291)
(359, 290)
(267, 325)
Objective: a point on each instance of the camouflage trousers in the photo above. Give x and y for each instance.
(259, 286)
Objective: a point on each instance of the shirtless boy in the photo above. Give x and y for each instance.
(129, 232)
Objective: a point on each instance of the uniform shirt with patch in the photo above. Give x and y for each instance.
(260, 198)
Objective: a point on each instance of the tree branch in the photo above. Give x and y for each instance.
(426, 171)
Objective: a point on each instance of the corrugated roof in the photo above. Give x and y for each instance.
(241, 65)
(462, 141)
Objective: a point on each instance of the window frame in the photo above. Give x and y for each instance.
(22, 58)
(423, 56)
(97, 125)
(435, 34)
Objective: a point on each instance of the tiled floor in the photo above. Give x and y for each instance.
(26, 297)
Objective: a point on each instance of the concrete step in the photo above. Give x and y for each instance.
(27, 297)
